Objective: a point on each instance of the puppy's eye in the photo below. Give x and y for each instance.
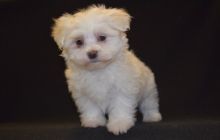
(101, 38)
(79, 42)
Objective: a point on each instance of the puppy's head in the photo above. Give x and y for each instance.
(92, 37)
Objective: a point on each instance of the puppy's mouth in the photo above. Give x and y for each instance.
(97, 64)
(94, 61)
(99, 60)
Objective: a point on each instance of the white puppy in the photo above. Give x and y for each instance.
(103, 76)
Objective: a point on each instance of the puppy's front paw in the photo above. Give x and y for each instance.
(120, 126)
(152, 116)
(93, 122)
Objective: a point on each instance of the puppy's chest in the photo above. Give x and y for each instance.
(97, 86)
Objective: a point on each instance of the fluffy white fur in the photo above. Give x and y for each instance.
(115, 82)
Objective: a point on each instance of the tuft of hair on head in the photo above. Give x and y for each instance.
(118, 18)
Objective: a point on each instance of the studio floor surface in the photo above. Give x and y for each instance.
(175, 129)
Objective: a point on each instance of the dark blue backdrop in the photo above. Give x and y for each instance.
(179, 40)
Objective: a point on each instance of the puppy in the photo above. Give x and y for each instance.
(103, 76)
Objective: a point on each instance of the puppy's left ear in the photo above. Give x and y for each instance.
(60, 29)
(119, 19)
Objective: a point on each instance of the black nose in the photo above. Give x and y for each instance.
(92, 54)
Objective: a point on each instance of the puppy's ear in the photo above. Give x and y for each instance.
(60, 29)
(119, 19)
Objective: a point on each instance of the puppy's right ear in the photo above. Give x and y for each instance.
(60, 29)
(119, 19)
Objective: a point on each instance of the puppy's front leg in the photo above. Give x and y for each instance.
(90, 114)
(121, 115)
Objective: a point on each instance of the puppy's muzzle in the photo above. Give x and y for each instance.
(92, 54)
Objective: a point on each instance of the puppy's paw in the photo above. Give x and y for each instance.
(152, 116)
(93, 122)
(120, 126)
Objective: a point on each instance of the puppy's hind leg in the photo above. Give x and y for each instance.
(149, 106)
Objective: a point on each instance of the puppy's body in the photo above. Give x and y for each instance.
(110, 81)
